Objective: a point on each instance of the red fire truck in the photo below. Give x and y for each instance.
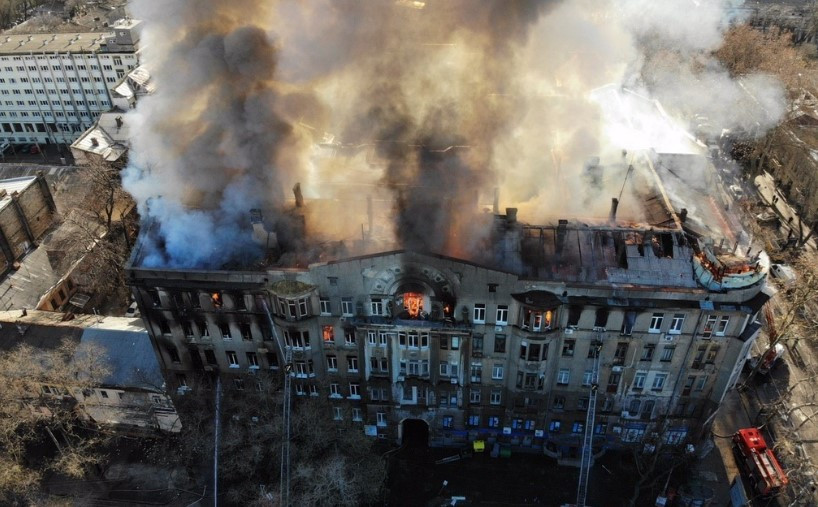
(758, 462)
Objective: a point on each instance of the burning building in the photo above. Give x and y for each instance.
(499, 344)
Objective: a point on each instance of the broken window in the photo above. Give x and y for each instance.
(620, 353)
(499, 343)
(601, 318)
(627, 323)
(328, 333)
(216, 300)
(574, 313)
(238, 300)
(568, 348)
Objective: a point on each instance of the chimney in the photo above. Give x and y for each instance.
(94, 142)
(495, 208)
(369, 213)
(614, 206)
(299, 197)
(118, 121)
(561, 231)
(511, 215)
(683, 215)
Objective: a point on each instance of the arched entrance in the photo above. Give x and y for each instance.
(414, 433)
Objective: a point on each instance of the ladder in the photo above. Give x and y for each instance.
(588, 435)
(287, 354)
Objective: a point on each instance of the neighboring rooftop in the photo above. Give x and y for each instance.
(107, 138)
(9, 186)
(88, 42)
(124, 341)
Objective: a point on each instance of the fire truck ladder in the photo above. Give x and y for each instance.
(588, 435)
(287, 353)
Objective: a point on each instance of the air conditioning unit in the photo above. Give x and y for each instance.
(498, 329)
(400, 378)
(668, 337)
(453, 380)
(569, 330)
(616, 369)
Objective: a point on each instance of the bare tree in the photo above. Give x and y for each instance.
(38, 403)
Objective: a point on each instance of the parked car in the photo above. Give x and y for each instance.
(783, 272)
(132, 311)
(35, 149)
(737, 191)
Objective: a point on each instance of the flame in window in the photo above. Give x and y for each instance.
(216, 298)
(413, 303)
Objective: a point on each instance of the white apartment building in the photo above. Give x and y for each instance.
(54, 86)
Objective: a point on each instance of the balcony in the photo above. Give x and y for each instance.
(380, 320)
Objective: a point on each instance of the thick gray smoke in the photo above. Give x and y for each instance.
(427, 105)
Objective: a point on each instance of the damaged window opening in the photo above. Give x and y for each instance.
(601, 319)
(628, 323)
(574, 313)
(413, 304)
(216, 299)
(240, 303)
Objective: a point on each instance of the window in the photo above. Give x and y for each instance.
(372, 338)
(667, 353)
(563, 376)
(477, 345)
(647, 352)
(455, 343)
(494, 422)
(346, 307)
(326, 309)
(711, 354)
(447, 421)
(587, 378)
(174, 354)
(328, 333)
(497, 371)
(480, 313)
(476, 372)
(709, 326)
(335, 390)
(647, 409)
(702, 381)
(349, 337)
(304, 369)
(444, 343)
(656, 323)
(383, 337)
(332, 363)
(474, 421)
(620, 353)
(578, 427)
(474, 396)
(356, 415)
(568, 348)
(210, 357)
(380, 419)
(601, 318)
(676, 324)
(628, 322)
(246, 334)
(232, 359)
(225, 330)
(639, 380)
(337, 414)
(352, 364)
(496, 397)
(376, 306)
(252, 360)
(500, 343)
(303, 309)
(502, 315)
(444, 369)
(613, 382)
(722, 327)
(554, 425)
(659, 382)
(414, 368)
(530, 380)
(355, 391)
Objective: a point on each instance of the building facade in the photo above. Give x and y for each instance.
(503, 352)
(54, 86)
